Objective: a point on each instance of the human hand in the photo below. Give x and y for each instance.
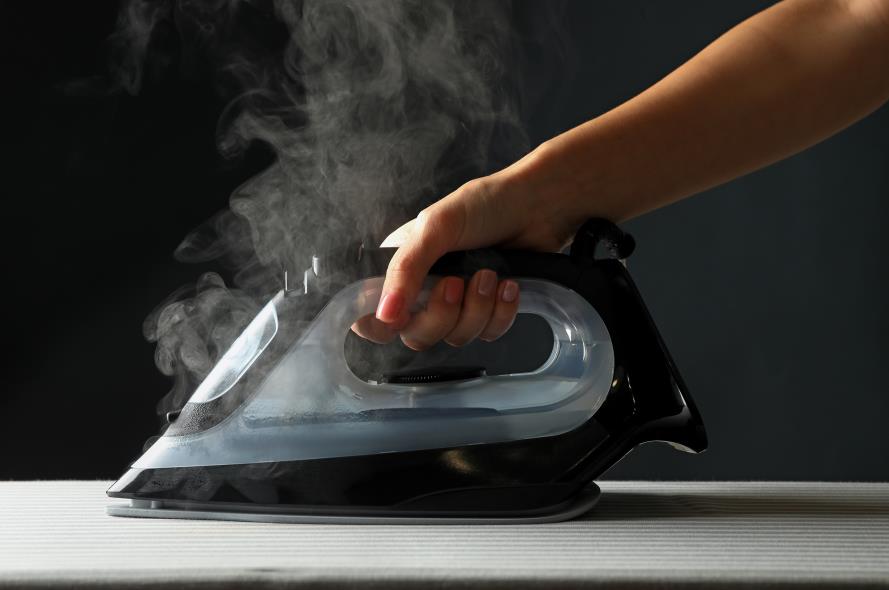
(504, 210)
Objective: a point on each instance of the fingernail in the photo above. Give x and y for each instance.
(389, 307)
(453, 290)
(510, 291)
(487, 282)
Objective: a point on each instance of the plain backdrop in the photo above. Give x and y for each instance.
(770, 291)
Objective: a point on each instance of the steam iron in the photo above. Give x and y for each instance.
(282, 429)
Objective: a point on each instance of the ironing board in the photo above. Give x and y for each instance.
(641, 535)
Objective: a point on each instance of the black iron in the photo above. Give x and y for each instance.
(648, 401)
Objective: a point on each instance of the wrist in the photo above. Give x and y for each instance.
(584, 172)
(552, 187)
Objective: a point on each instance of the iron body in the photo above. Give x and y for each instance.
(284, 431)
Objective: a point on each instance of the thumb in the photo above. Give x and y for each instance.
(436, 231)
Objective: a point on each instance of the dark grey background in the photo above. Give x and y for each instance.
(770, 291)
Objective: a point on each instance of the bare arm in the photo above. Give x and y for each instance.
(772, 86)
(777, 83)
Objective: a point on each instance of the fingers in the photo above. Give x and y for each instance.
(489, 309)
(456, 312)
(478, 305)
(440, 316)
(370, 328)
(505, 310)
(431, 235)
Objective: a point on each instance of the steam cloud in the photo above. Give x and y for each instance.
(373, 109)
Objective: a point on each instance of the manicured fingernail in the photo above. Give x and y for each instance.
(510, 291)
(487, 282)
(389, 307)
(453, 290)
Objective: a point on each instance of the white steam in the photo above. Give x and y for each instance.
(372, 108)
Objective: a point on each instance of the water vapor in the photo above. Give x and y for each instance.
(372, 109)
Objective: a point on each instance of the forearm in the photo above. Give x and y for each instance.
(777, 83)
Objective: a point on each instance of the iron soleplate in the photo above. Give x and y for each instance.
(572, 508)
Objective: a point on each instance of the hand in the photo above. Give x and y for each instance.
(772, 99)
(502, 210)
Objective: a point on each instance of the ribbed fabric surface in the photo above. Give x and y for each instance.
(641, 534)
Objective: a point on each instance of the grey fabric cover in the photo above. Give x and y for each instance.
(641, 535)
